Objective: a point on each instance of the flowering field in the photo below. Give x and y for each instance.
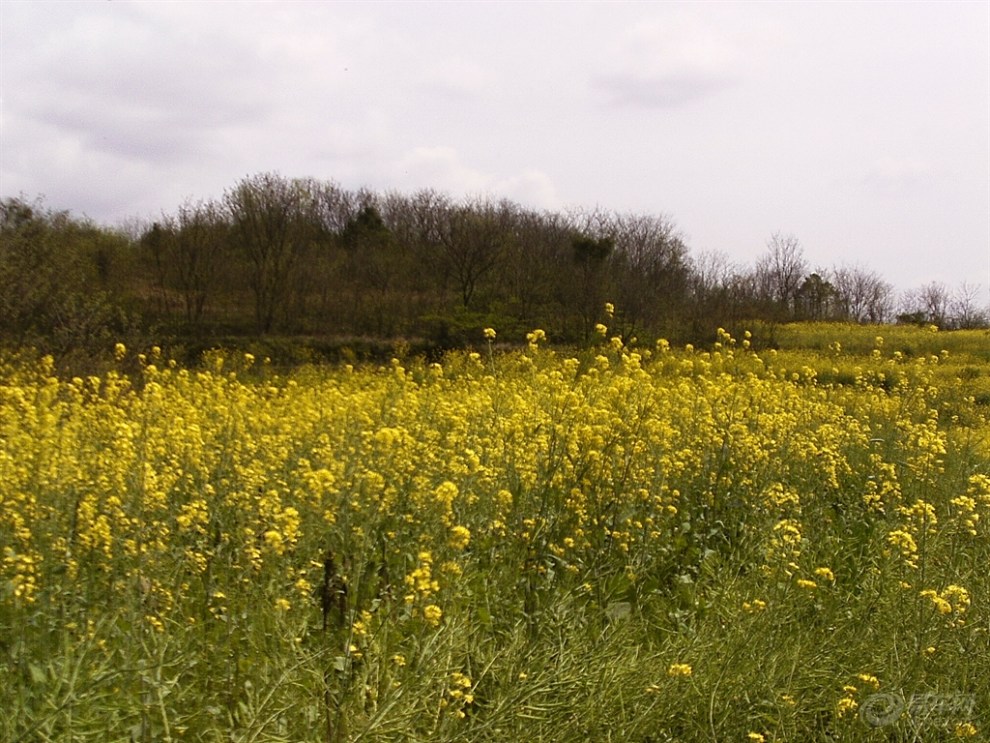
(627, 544)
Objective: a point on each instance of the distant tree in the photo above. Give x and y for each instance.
(531, 272)
(927, 304)
(779, 273)
(711, 272)
(590, 257)
(592, 252)
(814, 299)
(367, 226)
(861, 295)
(374, 265)
(155, 243)
(473, 244)
(422, 225)
(965, 310)
(29, 265)
(651, 271)
(316, 258)
(188, 251)
(201, 241)
(274, 220)
(57, 276)
(719, 295)
(320, 290)
(747, 296)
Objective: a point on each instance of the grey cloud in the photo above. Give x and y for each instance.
(669, 60)
(666, 90)
(153, 102)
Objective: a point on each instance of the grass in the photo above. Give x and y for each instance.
(616, 544)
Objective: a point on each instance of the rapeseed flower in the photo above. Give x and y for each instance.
(433, 614)
(460, 537)
(965, 730)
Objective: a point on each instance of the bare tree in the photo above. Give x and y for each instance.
(273, 220)
(195, 243)
(422, 225)
(473, 244)
(926, 304)
(965, 309)
(779, 273)
(156, 242)
(651, 270)
(711, 271)
(861, 295)
(712, 300)
(376, 262)
(530, 274)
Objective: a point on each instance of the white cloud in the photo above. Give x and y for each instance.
(439, 168)
(442, 168)
(532, 188)
(901, 176)
(458, 78)
(668, 62)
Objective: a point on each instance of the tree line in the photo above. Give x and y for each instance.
(303, 257)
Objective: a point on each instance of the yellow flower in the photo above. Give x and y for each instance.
(535, 336)
(489, 334)
(943, 606)
(846, 705)
(452, 568)
(360, 626)
(460, 537)
(433, 614)
(869, 679)
(959, 595)
(755, 737)
(679, 669)
(825, 573)
(282, 604)
(273, 539)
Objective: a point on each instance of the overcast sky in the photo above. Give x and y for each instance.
(863, 129)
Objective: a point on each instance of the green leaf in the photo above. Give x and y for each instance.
(484, 616)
